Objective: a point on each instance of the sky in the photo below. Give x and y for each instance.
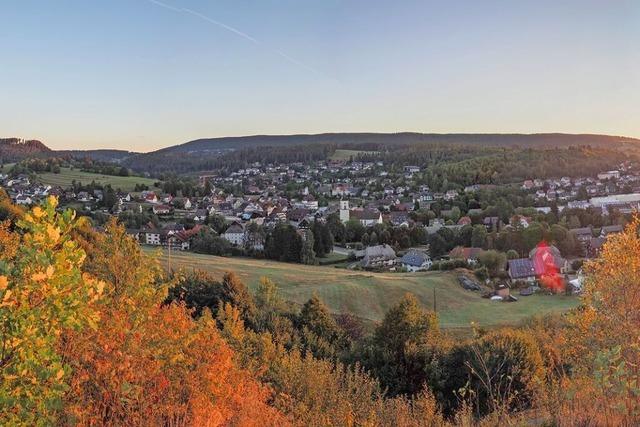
(144, 74)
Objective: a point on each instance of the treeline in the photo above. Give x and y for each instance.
(54, 164)
(454, 167)
(226, 161)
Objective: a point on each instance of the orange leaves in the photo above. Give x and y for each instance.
(164, 367)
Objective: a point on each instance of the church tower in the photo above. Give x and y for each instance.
(344, 210)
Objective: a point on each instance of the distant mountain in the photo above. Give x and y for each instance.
(15, 149)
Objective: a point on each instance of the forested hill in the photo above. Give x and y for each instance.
(16, 149)
(13, 149)
(405, 138)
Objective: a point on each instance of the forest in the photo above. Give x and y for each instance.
(94, 332)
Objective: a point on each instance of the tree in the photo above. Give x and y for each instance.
(321, 334)
(494, 261)
(150, 363)
(307, 254)
(43, 292)
(479, 236)
(283, 243)
(198, 290)
(505, 371)
(217, 222)
(403, 347)
(354, 230)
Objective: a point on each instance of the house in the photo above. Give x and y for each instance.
(583, 235)
(603, 176)
(528, 185)
(415, 260)
(23, 199)
(149, 197)
(470, 255)
(450, 195)
(465, 220)
(493, 223)
(379, 256)
(234, 234)
(367, 217)
(399, 218)
(411, 169)
(544, 262)
(521, 269)
(176, 241)
(161, 209)
(151, 236)
(610, 229)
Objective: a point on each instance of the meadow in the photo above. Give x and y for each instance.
(67, 175)
(369, 295)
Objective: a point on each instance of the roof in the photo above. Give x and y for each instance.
(234, 228)
(521, 268)
(584, 231)
(378, 253)
(466, 253)
(366, 214)
(547, 260)
(610, 229)
(414, 258)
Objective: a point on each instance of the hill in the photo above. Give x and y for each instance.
(369, 295)
(214, 145)
(15, 149)
(203, 154)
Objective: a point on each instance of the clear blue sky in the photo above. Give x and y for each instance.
(143, 74)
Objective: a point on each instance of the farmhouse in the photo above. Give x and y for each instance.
(234, 234)
(379, 256)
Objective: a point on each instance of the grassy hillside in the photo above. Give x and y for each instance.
(66, 176)
(370, 295)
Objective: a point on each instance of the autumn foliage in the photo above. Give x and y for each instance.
(86, 340)
(94, 333)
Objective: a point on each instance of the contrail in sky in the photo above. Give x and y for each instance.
(238, 33)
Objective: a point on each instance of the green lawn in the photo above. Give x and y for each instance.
(66, 176)
(347, 154)
(370, 295)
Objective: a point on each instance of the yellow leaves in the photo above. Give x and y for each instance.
(53, 232)
(37, 212)
(59, 374)
(52, 201)
(4, 282)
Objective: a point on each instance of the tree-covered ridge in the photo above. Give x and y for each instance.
(469, 165)
(14, 149)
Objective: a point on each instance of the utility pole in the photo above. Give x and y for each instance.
(169, 246)
(435, 305)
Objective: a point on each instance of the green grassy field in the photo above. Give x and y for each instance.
(347, 154)
(370, 295)
(66, 176)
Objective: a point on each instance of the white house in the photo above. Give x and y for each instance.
(152, 237)
(234, 234)
(415, 260)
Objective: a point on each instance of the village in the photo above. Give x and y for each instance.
(388, 220)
